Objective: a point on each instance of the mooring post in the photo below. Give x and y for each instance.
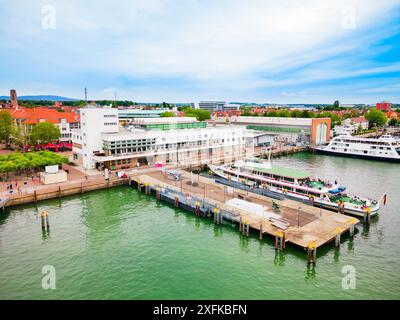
(139, 186)
(240, 224)
(197, 208)
(247, 228)
(283, 240)
(278, 239)
(177, 201)
(311, 252)
(158, 193)
(43, 218)
(47, 220)
(81, 187)
(35, 193)
(59, 192)
(147, 188)
(367, 215)
(337, 237)
(217, 216)
(261, 231)
(352, 222)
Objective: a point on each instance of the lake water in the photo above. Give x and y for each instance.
(120, 244)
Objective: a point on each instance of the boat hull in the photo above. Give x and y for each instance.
(360, 156)
(332, 206)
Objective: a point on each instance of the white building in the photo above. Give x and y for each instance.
(87, 140)
(351, 126)
(102, 143)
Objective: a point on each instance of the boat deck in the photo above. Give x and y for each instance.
(307, 223)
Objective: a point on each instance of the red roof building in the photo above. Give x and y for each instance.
(384, 106)
(36, 115)
(31, 116)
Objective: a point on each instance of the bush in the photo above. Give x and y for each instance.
(31, 160)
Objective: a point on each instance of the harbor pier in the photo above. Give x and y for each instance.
(298, 224)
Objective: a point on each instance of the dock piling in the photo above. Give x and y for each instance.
(217, 216)
(337, 237)
(261, 231)
(367, 215)
(44, 217)
(177, 201)
(197, 208)
(158, 193)
(311, 252)
(147, 188)
(279, 240)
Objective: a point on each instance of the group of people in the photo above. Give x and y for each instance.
(17, 185)
(12, 186)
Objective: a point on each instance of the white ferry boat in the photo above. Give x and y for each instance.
(297, 185)
(383, 148)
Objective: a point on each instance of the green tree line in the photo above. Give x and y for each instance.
(19, 162)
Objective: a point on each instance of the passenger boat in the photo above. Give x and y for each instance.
(385, 148)
(297, 185)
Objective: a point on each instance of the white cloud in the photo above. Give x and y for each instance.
(226, 43)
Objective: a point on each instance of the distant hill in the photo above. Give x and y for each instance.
(41, 97)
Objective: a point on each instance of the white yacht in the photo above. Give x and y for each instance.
(294, 184)
(383, 148)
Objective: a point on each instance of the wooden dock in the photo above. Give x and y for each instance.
(309, 227)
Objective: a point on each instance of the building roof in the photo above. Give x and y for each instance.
(275, 121)
(358, 120)
(164, 120)
(36, 115)
(283, 172)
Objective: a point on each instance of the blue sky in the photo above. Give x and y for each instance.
(287, 51)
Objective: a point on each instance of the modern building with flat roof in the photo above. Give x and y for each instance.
(103, 143)
(315, 130)
(128, 114)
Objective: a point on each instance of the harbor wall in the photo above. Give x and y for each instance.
(52, 192)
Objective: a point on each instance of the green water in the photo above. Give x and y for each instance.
(119, 244)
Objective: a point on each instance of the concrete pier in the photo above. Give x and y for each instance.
(307, 224)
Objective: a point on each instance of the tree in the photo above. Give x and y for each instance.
(284, 114)
(336, 104)
(393, 122)
(335, 119)
(199, 114)
(31, 160)
(20, 135)
(44, 132)
(167, 114)
(376, 117)
(6, 125)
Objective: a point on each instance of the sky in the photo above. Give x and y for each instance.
(287, 51)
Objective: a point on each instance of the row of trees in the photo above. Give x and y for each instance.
(199, 114)
(20, 162)
(20, 134)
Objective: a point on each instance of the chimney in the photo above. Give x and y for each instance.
(13, 98)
